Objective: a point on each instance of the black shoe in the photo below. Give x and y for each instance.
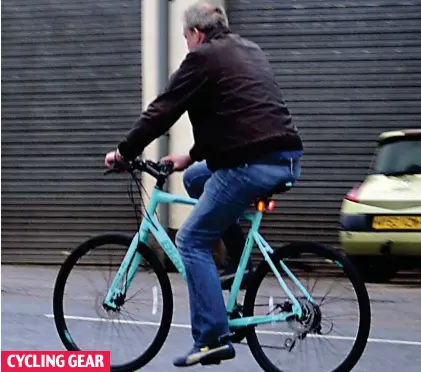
(206, 356)
(227, 279)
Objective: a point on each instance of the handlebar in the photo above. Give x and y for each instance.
(158, 170)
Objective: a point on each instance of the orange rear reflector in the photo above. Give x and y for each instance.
(261, 206)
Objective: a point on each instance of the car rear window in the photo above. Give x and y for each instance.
(399, 157)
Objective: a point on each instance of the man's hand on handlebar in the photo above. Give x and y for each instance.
(113, 157)
(180, 162)
(115, 163)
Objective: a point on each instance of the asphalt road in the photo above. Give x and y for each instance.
(27, 324)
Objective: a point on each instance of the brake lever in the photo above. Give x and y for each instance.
(108, 171)
(117, 168)
(113, 170)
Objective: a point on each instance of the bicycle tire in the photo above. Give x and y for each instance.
(163, 279)
(291, 250)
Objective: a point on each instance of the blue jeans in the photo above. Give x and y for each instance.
(194, 180)
(226, 195)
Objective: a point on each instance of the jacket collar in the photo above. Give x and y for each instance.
(216, 33)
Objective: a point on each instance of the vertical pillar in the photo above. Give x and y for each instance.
(163, 62)
(181, 139)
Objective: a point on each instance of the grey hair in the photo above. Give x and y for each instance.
(205, 16)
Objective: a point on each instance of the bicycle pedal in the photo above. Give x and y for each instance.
(225, 339)
(209, 362)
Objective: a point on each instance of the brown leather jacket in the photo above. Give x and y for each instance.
(234, 103)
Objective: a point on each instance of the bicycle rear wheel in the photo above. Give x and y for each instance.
(273, 347)
(78, 325)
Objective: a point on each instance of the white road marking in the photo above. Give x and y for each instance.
(187, 326)
(271, 307)
(155, 299)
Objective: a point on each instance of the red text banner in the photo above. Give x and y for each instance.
(52, 361)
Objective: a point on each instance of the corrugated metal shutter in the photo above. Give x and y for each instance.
(71, 87)
(348, 70)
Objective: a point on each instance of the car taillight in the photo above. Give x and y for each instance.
(352, 195)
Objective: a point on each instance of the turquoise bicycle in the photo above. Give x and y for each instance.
(302, 309)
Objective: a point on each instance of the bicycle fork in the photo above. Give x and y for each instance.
(116, 293)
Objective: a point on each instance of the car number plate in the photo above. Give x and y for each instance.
(397, 222)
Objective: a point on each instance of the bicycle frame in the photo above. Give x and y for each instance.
(150, 224)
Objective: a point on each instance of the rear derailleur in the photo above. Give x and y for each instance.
(310, 322)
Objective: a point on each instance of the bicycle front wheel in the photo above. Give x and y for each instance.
(135, 333)
(331, 335)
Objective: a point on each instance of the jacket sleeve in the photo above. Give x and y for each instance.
(167, 108)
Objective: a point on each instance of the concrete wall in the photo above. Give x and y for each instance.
(181, 138)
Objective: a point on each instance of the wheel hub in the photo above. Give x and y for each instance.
(310, 322)
(118, 301)
(312, 316)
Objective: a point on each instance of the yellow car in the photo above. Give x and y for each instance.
(381, 217)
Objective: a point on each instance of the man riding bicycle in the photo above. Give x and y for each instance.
(245, 145)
